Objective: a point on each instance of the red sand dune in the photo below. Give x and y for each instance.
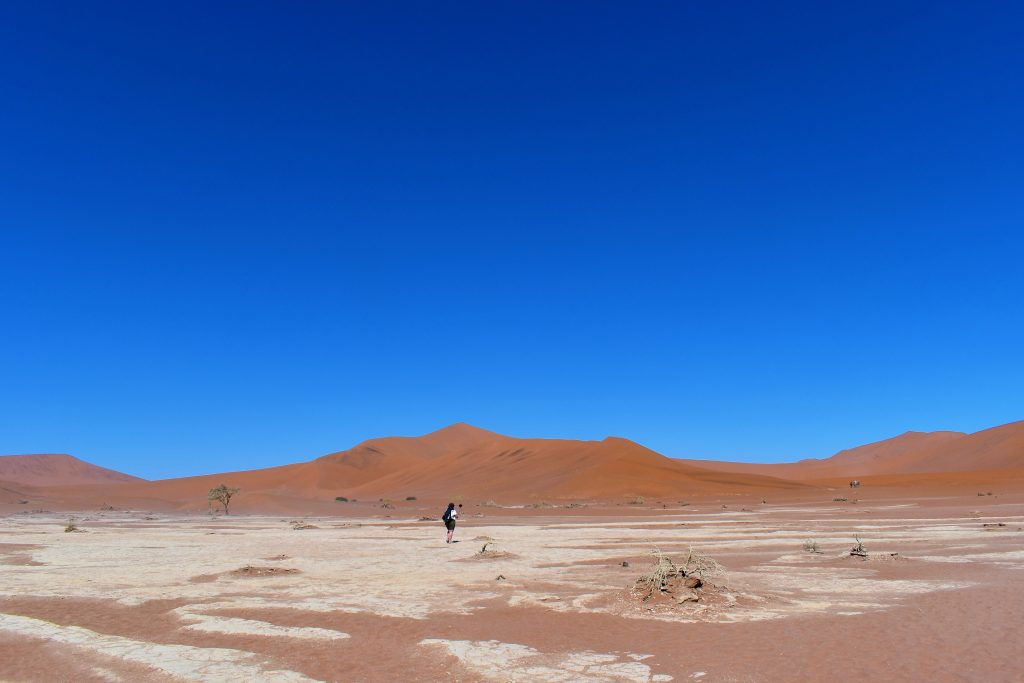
(471, 463)
(465, 461)
(56, 469)
(996, 449)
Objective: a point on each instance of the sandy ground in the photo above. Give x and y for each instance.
(153, 597)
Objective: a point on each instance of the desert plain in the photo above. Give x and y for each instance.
(98, 587)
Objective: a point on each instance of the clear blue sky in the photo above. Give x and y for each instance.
(241, 234)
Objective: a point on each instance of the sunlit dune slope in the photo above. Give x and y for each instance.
(56, 469)
(456, 461)
(997, 449)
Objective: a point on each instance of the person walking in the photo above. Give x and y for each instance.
(449, 517)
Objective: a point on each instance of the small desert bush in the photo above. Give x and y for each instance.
(839, 500)
(665, 572)
(410, 497)
(488, 504)
(984, 494)
(71, 527)
(341, 499)
(858, 549)
(811, 546)
(637, 500)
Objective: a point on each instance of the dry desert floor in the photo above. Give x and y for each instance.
(155, 597)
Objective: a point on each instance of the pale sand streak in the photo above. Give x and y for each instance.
(181, 661)
(514, 662)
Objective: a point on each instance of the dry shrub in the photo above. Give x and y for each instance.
(858, 549)
(487, 553)
(811, 546)
(666, 576)
(488, 504)
(251, 571)
(637, 500)
(300, 525)
(72, 527)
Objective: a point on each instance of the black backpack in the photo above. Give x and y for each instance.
(447, 515)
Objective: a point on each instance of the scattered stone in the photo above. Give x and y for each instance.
(689, 596)
(625, 564)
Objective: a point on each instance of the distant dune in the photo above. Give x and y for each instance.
(56, 469)
(462, 461)
(996, 449)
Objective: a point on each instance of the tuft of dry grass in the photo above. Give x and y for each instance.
(251, 571)
(858, 549)
(811, 546)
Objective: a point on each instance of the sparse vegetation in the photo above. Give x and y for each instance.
(223, 495)
(251, 571)
(341, 499)
(811, 546)
(858, 549)
(299, 525)
(488, 504)
(666, 575)
(989, 493)
(487, 553)
(72, 527)
(410, 497)
(839, 500)
(637, 500)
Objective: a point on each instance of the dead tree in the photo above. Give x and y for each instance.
(223, 494)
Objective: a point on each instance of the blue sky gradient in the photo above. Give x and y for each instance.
(234, 235)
